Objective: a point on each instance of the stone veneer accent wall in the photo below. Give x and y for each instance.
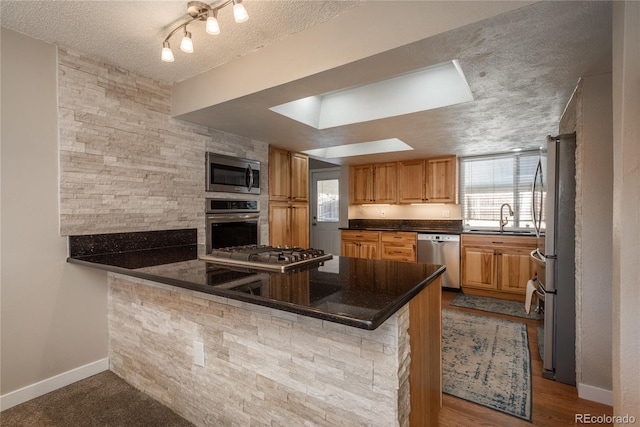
(125, 164)
(263, 367)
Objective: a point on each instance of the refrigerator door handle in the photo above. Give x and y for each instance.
(550, 280)
(548, 362)
(537, 219)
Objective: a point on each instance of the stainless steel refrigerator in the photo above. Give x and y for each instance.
(554, 193)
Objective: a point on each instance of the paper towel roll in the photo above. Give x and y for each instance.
(531, 288)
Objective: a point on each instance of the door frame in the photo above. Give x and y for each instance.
(313, 198)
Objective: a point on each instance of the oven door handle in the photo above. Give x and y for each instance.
(249, 177)
(232, 217)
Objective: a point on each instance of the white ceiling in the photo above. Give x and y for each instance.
(522, 67)
(129, 34)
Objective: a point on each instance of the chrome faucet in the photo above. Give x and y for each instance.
(504, 221)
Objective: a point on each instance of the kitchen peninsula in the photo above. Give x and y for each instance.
(345, 342)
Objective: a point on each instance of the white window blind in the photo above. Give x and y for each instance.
(486, 182)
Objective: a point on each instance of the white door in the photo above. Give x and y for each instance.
(325, 210)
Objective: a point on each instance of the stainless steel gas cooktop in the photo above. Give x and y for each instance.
(266, 257)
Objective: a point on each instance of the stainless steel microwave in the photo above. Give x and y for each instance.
(232, 174)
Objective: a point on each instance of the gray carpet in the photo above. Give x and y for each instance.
(101, 400)
(495, 305)
(486, 360)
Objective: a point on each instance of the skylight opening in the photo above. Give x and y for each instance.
(428, 88)
(360, 149)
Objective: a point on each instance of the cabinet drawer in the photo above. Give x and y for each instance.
(398, 252)
(399, 237)
(360, 236)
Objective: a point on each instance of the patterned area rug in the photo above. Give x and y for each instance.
(540, 339)
(487, 361)
(495, 305)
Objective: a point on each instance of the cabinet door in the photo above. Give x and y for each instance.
(411, 181)
(279, 174)
(350, 249)
(441, 179)
(369, 250)
(299, 177)
(478, 267)
(361, 188)
(385, 182)
(514, 269)
(279, 224)
(299, 214)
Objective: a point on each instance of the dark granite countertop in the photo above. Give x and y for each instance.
(356, 292)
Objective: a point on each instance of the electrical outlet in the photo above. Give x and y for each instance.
(198, 353)
(446, 213)
(382, 214)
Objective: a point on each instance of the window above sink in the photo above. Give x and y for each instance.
(488, 182)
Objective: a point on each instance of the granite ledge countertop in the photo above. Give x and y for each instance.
(356, 292)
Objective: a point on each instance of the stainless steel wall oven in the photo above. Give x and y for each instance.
(231, 223)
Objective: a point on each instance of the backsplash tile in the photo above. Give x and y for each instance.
(125, 164)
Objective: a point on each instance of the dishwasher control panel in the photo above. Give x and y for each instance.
(439, 237)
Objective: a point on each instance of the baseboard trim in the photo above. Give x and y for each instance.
(595, 394)
(32, 391)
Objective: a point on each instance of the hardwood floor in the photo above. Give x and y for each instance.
(554, 404)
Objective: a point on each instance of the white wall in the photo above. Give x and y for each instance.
(626, 216)
(594, 213)
(54, 315)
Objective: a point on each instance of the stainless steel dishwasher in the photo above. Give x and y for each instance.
(442, 249)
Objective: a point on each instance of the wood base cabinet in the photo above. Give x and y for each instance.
(361, 244)
(398, 246)
(496, 265)
(289, 224)
(385, 245)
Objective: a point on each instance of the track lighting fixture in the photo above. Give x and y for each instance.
(199, 11)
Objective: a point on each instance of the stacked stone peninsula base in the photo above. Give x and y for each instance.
(269, 367)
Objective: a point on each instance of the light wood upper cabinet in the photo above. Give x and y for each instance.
(411, 181)
(288, 175)
(374, 183)
(299, 177)
(441, 179)
(361, 188)
(385, 182)
(427, 180)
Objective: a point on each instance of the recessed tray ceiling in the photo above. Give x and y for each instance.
(428, 88)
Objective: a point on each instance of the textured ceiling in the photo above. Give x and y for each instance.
(129, 34)
(522, 67)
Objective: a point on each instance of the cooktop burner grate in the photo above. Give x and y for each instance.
(266, 257)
